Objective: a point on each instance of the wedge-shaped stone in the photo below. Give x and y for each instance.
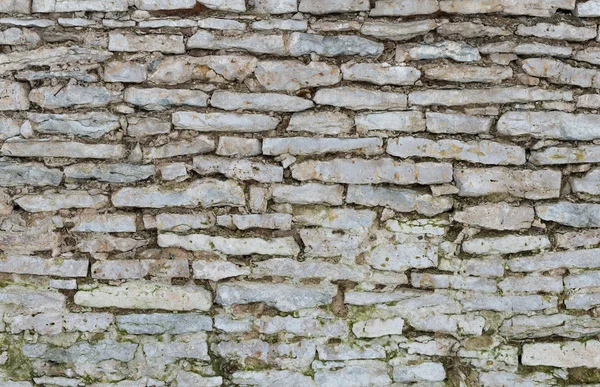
(305, 44)
(13, 95)
(224, 122)
(77, 150)
(231, 246)
(360, 99)
(589, 183)
(509, 244)
(570, 214)
(562, 155)
(294, 75)
(119, 269)
(560, 31)
(559, 72)
(205, 193)
(336, 218)
(317, 7)
(160, 323)
(18, 60)
(397, 31)
(401, 200)
(316, 146)
(310, 193)
(105, 223)
(457, 123)
(146, 295)
(404, 8)
(178, 69)
(528, 184)
(59, 267)
(93, 125)
(285, 297)
(555, 125)
(167, 44)
(577, 259)
(408, 122)
(55, 97)
(360, 171)
(240, 169)
(253, 42)
(465, 73)
(228, 100)
(403, 256)
(49, 6)
(542, 8)
(380, 74)
(483, 152)
(49, 201)
(568, 354)
(497, 216)
(447, 49)
(197, 145)
(508, 303)
(111, 173)
(321, 123)
(161, 99)
(486, 96)
(33, 174)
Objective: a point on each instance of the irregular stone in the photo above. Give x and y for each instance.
(459, 282)
(32, 174)
(108, 243)
(424, 372)
(498, 216)
(418, 226)
(508, 303)
(48, 6)
(360, 171)
(408, 122)
(295, 75)
(49, 201)
(403, 256)
(401, 200)
(457, 123)
(568, 354)
(470, 30)
(465, 73)
(583, 301)
(350, 352)
(360, 99)
(273, 221)
(238, 146)
(9, 128)
(231, 246)
(285, 297)
(580, 238)
(589, 183)
(161, 99)
(168, 44)
(190, 379)
(316, 325)
(18, 6)
(218, 270)
(55, 97)
(582, 259)
(43, 148)
(458, 51)
(397, 31)
(13, 96)
(197, 145)
(272, 378)
(59, 267)
(240, 169)
(82, 352)
(541, 8)
(280, 24)
(310, 193)
(317, 146)
(146, 295)
(126, 72)
(570, 214)
(316, 7)
(555, 125)
(509, 244)
(93, 125)
(323, 242)
(380, 74)
(116, 269)
(402, 8)
(146, 126)
(29, 241)
(111, 173)
(313, 268)
(251, 42)
(337, 218)
(360, 373)
(224, 122)
(105, 223)
(55, 323)
(486, 96)
(178, 69)
(228, 100)
(561, 73)
(588, 101)
(589, 279)
(482, 152)
(587, 9)
(560, 31)
(205, 192)
(562, 155)
(25, 300)
(225, 5)
(305, 44)
(529, 184)
(276, 6)
(320, 123)
(378, 327)
(589, 54)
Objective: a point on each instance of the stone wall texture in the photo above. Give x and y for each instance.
(336, 193)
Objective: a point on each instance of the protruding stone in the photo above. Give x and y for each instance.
(304, 44)
(570, 214)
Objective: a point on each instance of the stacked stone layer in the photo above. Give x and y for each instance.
(299, 193)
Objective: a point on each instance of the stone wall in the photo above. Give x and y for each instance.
(299, 193)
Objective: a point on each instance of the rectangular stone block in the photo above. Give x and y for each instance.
(13, 96)
(59, 267)
(231, 246)
(568, 354)
(167, 44)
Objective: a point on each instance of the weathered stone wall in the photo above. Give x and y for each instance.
(299, 193)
